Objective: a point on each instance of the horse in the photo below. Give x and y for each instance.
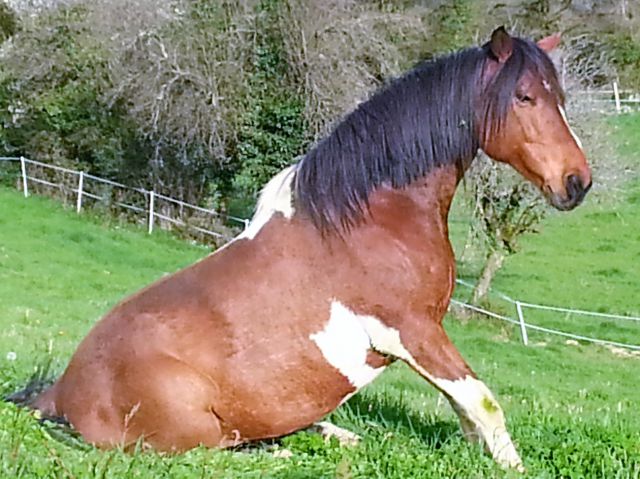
(345, 268)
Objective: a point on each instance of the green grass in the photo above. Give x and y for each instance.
(572, 410)
(59, 273)
(585, 259)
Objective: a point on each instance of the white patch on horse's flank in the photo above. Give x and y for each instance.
(564, 117)
(276, 197)
(344, 344)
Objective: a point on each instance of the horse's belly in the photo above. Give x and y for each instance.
(291, 386)
(291, 402)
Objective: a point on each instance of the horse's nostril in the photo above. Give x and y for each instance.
(574, 180)
(574, 185)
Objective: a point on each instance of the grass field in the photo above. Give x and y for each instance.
(572, 410)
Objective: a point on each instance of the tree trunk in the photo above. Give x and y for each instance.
(491, 266)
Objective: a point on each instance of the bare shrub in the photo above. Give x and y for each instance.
(188, 93)
(585, 62)
(340, 50)
(503, 209)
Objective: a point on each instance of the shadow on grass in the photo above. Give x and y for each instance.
(393, 415)
(368, 415)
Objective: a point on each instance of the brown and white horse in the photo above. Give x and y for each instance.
(345, 267)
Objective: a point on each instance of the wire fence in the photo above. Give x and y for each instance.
(605, 100)
(82, 190)
(519, 308)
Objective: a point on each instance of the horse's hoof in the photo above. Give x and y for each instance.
(512, 462)
(282, 453)
(328, 430)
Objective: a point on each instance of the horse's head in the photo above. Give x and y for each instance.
(522, 122)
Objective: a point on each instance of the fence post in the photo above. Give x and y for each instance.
(616, 94)
(25, 187)
(152, 198)
(80, 186)
(523, 326)
(246, 223)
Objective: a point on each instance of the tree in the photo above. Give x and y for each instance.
(338, 52)
(504, 208)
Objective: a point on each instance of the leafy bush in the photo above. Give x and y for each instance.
(8, 21)
(51, 104)
(626, 57)
(273, 132)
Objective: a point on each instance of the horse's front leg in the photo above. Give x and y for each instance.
(428, 350)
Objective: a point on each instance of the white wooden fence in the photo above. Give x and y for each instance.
(524, 327)
(145, 205)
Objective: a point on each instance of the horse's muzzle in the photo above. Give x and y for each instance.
(575, 193)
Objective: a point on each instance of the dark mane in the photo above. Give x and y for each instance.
(432, 116)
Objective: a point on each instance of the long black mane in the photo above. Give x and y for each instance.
(432, 116)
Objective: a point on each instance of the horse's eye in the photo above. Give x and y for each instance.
(523, 97)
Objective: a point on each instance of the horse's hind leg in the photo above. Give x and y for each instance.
(328, 430)
(434, 356)
(167, 404)
(427, 349)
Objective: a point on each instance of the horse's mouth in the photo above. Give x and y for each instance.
(575, 195)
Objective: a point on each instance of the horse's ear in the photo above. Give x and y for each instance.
(501, 44)
(549, 43)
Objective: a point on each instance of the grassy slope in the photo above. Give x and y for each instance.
(572, 410)
(589, 258)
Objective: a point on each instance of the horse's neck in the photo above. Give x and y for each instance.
(434, 193)
(425, 203)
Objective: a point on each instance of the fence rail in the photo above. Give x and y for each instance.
(607, 100)
(524, 327)
(151, 207)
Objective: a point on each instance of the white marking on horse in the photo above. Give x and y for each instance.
(344, 343)
(328, 430)
(566, 122)
(480, 414)
(482, 418)
(276, 197)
